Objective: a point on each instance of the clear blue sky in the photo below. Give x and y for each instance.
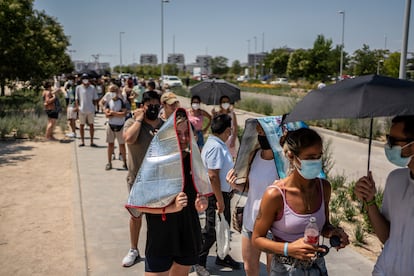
(223, 27)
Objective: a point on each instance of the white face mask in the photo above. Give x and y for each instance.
(195, 106)
(225, 105)
(113, 94)
(85, 81)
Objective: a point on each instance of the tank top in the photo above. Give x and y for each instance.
(262, 174)
(291, 226)
(196, 121)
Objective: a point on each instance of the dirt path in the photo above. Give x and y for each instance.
(36, 208)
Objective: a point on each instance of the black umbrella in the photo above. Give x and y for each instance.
(362, 97)
(91, 73)
(210, 91)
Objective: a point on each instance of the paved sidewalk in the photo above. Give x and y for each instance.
(102, 221)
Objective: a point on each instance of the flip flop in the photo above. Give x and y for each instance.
(81, 145)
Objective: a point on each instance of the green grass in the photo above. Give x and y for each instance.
(23, 116)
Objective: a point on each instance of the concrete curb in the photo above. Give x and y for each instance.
(81, 257)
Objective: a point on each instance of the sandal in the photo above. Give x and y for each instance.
(81, 145)
(94, 145)
(108, 166)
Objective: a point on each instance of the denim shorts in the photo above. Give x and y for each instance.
(317, 269)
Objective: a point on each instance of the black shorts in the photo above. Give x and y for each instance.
(52, 114)
(161, 264)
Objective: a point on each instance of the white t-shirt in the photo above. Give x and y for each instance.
(86, 97)
(116, 106)
(398, 208)
(216, 155)
(262, 174)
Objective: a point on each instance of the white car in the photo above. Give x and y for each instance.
(282, 81)
(242, 78)
(172, 81)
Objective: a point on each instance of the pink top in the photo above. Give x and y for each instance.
(291, 225)
(196, 121)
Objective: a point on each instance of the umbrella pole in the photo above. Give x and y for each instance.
(369, 144)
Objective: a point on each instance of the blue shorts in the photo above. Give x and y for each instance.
(161, 264)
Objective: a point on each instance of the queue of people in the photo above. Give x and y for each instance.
(277, 208)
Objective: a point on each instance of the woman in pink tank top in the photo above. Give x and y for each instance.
(196, 115)
(288, 204)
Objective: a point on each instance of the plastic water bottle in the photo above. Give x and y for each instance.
(312, 232)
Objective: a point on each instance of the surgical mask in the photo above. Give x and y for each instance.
(195, 106)
(225, 105)
(264, 143)
(310, 169)
(112, 94)
(394, 155)
(85, 81)
(152, 112)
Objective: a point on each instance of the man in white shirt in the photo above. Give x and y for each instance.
(218, 161)
(86, 98)
(393, 223)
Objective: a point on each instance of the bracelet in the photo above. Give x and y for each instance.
(371, 202)
(285, 249)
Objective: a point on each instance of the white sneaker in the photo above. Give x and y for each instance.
(71, 135)
(201, 270)
(130, 258)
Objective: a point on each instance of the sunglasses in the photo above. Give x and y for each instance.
(392, 141)
(334, 241)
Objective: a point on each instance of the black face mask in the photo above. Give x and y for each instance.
(264, 143)
(152, 112)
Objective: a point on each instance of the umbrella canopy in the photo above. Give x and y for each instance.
(210, 91)
(91, 73)
(362, 97)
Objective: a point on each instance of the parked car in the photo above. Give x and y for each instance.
(280, 81)
(242, 78)
(172, 81)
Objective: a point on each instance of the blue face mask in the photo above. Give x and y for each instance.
(394, 155)
(310, 169)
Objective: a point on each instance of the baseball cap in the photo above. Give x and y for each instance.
(169, 98)
(85, 76)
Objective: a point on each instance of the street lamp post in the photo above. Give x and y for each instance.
(248, 58)
(162, 36)
(120, 51)
(342, 44)
(406, 27)
(255, 52)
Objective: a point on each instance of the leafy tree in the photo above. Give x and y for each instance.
(320, 58)
(32, 44)
(219, 65)
(278, 60)
(391, 65)
(299, 64)
(365, 61)
(236, 68)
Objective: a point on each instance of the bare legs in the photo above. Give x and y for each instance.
(251, 258)
(49, 128)
(134, 229)
(82, 133)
